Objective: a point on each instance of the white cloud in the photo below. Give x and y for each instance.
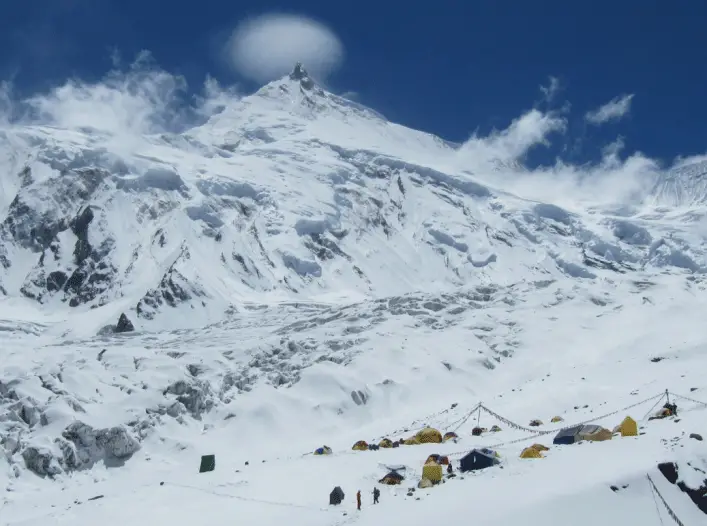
(496, 160)
(615, 109)
(513, 143)
(267, 47)
(136, 102)
(122, 107)
(611, 152)
(214, 98)
(143, 99)
(552, 89)
(5, 103)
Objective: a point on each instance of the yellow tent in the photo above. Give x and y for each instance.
(361, 445)
(530, 452)
(540, 447)
(628, 428)
(432, 471)
(386, 442)
(595, 433)
(450, 435)
(556, 419)
(495, 429)
(429, 435)
(410, 441)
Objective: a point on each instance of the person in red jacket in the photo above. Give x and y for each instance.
(358, 499)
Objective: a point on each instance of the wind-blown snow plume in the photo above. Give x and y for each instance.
(122, 107)
(513, 143)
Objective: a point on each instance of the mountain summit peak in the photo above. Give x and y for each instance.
(300, 73)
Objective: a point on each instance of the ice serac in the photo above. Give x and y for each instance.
(683, 186)
(225, 224)
(298, 261)
(295, 190)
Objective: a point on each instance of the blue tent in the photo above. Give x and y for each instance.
(567, 436)
(478, 459)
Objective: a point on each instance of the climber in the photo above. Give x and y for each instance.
(450, 470)
(376, 495)
(358, 500)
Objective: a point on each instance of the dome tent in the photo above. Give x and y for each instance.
(392, 478)
(428, 435)
(595, 433)
(361, 445)
(530, 452)
(450, 435)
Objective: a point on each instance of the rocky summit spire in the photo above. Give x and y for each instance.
(299, 73)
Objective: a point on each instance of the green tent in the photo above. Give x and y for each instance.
(208, 463)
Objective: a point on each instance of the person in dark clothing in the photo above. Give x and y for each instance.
(449, 468)
(376, 495)
(358, 500)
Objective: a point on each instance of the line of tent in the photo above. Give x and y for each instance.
(478, 459)
(432, 470)
(483, 458)
(428, 435)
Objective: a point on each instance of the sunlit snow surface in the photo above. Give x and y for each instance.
(344, 279)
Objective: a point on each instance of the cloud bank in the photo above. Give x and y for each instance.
(267, 47)
(615, 109)
(498, 159)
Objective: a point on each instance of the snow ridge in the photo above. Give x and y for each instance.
(300, 263)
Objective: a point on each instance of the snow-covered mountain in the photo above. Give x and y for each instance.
(297, 271)
(292, 194)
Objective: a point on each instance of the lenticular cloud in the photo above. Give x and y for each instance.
(267, 47)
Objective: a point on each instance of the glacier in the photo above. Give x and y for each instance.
(298, 271)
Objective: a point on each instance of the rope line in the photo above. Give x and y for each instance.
(657, 508)
(454, 426)
(537, 434)
(670, 511)
(689, 399)
(464, 419)
(654, 406)
(250, 499)
(413, 427)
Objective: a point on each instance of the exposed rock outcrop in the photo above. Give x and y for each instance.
(124, 324)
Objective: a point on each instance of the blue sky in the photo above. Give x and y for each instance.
(444, 67)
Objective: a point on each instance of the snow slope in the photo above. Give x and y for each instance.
(299, 272)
